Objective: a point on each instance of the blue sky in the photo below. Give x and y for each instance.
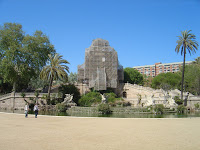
(143, 32)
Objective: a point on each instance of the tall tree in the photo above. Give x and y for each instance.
(56, 69)
(186, 42)
(132, 76)
(16, 49)
(192, 78)
(165, 80)
(22, 56)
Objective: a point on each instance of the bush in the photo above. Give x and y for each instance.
(180, 109)
(178, 100)
(90, 99)
(125, 104)
(196, 106)
(149, 108)
(159, 109)
(111, 97)
(61, 107)
(104, 109)
(23, 94)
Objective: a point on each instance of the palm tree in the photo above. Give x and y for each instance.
(56, 69)
(186, 41)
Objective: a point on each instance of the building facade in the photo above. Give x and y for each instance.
(157, 68)
(101, 68)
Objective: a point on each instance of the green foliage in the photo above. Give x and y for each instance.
(36, 83)
(61, 107)
(125, 104)
(181, 109)
(31, 98)
(22, 56)
(132, 76)
(147, 80)
(44, 96)
(178, 100)
(167, 81)
(196, 106)
(56, 69)
(159, 108)
(104, 109)
(70, 89)
(149, 108)
(5, 87)
(192, 78)
(23, 94)
(72, 78)
(36, 93)
(89, 99)
(111, 97)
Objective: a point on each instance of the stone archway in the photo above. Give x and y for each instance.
(124, 94)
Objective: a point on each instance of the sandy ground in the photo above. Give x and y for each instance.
(73, 133)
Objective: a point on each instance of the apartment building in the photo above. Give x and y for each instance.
(157, 68)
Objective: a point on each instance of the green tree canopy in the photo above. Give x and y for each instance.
(167, 80)
(133, 76)
(22, 56)
(192, 78)
(72, 78)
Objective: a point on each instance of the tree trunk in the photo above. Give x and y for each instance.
(49, 89)
(185, 101)
(14, 91)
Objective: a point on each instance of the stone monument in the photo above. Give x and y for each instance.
(101, 68)
(68, 100)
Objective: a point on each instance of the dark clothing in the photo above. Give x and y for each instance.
(36, 113)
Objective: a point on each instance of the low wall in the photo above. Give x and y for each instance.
(82, 110)
(11, 101)
(116, 110)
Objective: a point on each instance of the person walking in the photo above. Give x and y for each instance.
(26, 109)
(35, 109)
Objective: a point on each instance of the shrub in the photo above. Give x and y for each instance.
(112, 104)
(89, 99)
(111, 97)
(149, 108)
(61, 107)
(181, 109)
(23, 94)
(159, 109)
(104, 109)
(125, 104)
(178, 100)
(119, 103)
(196, 106)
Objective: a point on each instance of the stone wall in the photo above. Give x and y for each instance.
(9, 101)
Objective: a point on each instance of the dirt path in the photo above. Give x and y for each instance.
(71, 133)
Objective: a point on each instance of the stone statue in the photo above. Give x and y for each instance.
(150, 101)
(170, 102)
(68, 100)
(103, 98)
(185, 99)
